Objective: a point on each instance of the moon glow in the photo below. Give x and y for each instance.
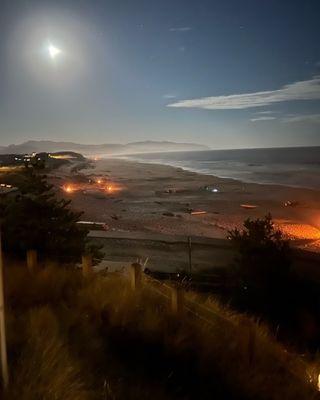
(53, 51)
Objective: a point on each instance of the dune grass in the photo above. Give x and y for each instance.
(94, 338)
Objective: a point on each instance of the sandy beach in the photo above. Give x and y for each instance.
(161, 199)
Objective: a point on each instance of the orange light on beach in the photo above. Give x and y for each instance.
(112, 188)
(68, 189)
(298, 230)
(99, 181)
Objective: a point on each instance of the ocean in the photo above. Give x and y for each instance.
(294, 166)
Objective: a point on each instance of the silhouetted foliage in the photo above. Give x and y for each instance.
(36, 219)
(29, 182)
(263, 262)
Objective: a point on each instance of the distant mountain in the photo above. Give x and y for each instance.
(99, 149)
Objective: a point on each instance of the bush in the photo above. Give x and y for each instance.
(263, 263)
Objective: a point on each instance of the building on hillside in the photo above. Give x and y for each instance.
(7, 190)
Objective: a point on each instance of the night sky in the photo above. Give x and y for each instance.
(230, 74)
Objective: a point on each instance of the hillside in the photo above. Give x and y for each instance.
(99, 149)
(72, 337)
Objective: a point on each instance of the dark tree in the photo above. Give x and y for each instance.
(36, 219)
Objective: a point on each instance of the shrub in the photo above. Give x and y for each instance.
(262, 264)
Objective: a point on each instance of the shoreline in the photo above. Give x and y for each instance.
(175, 164)
(202, 172)
(158, 198)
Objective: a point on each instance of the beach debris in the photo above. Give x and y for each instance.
(115, 217)
(168, 214)
(248, 206)
(198, 212)
(291, 203)
(92, 225)
(171, 190)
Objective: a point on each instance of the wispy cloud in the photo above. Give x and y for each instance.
(309, 118)
(180, 29)
(301, 90)
(262, 119)
(266, 112)
(169, 96)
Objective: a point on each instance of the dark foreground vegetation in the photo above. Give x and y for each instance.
(35, 218)
(267, 285)
(94, 338)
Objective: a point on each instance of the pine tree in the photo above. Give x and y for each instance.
(36, 219)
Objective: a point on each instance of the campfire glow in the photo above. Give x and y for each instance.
(97, 185)
(68, 188)
(298, 230)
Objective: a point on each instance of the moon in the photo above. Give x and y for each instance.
(53, 51)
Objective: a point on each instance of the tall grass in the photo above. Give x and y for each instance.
(93, 338)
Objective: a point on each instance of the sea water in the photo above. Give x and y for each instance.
(294, 166)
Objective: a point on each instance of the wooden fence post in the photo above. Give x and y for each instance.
(251, 342)
(190, 254)
(3, 342)
(135, 272)
(177, 300)
(32, 260)
(86, 264)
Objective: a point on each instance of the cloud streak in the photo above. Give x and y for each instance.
(265, 112)
(301, 90)
(310, 118)
(262, 119)
(169, 96)
(181, 29)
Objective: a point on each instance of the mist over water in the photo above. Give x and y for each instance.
(298, 166)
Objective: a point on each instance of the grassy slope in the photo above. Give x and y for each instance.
(74, 338)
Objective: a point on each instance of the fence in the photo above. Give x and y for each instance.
(180, 302)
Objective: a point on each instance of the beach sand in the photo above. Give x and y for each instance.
(158, 199)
